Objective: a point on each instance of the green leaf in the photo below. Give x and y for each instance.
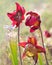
(13, 47)
(40, 59)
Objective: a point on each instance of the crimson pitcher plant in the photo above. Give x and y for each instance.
(17, 17)
(31, 48)
(33, 21)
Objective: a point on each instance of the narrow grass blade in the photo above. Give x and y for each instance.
(40, 59)
(13, 47)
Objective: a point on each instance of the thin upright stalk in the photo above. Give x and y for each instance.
(34, 61)
(19, 46)
(43, 45)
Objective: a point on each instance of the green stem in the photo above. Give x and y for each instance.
(43, 46)
(19, 46)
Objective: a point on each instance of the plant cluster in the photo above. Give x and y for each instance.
(33, 21)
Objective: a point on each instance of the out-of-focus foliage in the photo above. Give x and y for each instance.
(13, 53)
(4, 53)
(42, 6)
(47, 20)
(40, 59)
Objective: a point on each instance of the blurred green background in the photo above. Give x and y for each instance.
(43, 7)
